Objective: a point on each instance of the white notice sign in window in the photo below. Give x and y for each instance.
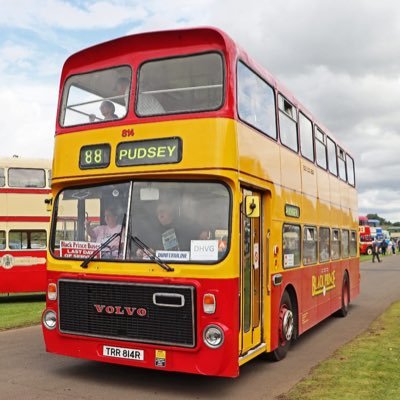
(204, 250)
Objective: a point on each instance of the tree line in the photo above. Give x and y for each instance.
(382, 221)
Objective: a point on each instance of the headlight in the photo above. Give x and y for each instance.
(50, 319)
(213, 336)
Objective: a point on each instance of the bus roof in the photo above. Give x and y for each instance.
(198, 38)
(22, 162)
(147, 42)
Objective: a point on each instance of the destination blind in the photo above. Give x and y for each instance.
(141, 152)
(148, 152)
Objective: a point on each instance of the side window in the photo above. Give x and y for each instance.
(38, 240)
(2, 177)
(2, 240)
(345, 243)
(26, 177)
(291, 245)
(335, 244)
(332, 157)
(49, 177)
(310, 245)
(353, 243)
(350, 170)
(256, 101)
(324, 244)
(19, 240)
(342, 165)
(306, 137)
(320, 148)
(288, 124)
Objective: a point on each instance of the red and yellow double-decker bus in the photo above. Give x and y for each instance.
(364, 232)
(24, 220)
(214, 218)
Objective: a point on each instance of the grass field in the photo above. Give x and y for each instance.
(20, 310)
(367, 368)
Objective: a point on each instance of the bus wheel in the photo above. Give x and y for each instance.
(343, 311)
(369, 251)
(286, 328)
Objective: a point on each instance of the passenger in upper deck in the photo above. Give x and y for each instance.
(122, 89)
(147, 103)
(107, 108)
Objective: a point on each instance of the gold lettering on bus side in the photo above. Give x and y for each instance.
(320, 284)
(308, 169)
(313, 285)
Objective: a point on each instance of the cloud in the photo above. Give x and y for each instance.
(15, 55)
(339, 58)
(27, 120)
(58, 14)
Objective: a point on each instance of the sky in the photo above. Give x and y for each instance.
(340, 58)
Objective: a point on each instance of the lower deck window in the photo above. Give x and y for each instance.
(310, 245)
(21, 240)
(324, 244)
(2, 240)
(345, 243)
(291, 245)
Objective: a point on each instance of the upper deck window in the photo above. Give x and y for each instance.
(96, 97)
(320, 148)
(342, 165)
(350, 170)
(256, 101)
(26, 178)
(306, 137)
(288, 123)
(332, 157)
(180, 85)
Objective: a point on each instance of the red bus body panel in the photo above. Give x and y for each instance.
(313, 308)
(16, 276)
(198, 360)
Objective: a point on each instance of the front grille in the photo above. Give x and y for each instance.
(115, 310)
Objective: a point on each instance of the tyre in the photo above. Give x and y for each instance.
(343, 311)
(286, 329)
(369, 251)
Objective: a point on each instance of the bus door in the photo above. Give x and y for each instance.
(251, 276)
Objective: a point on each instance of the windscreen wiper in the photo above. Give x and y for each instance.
(97, 251)
(150, 253)
(105, 244)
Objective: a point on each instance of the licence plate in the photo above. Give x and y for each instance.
(123, 352)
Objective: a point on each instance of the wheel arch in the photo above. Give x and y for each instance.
(295, 304)
(347, 274)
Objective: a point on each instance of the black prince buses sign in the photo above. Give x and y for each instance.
(148, 152)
